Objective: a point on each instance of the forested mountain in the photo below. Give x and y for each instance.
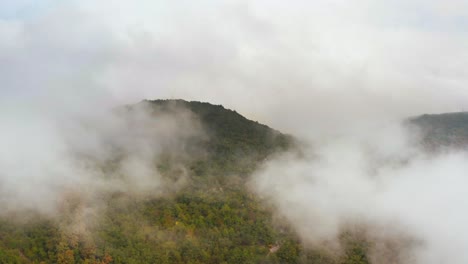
(442, 131)
(234, 144)
(211, 218)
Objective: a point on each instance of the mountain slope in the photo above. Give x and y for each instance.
(212, 217)
(235, 144)
(443, 131)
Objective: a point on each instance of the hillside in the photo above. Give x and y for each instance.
(443, 131)
(211, 217)
(235, 144)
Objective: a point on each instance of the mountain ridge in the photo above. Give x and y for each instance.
(213, 218)
(442, 131)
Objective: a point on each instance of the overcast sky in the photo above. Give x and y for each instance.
(274, 61)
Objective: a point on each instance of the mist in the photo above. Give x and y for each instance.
(48, 156)
(340, 75)
(384, 182)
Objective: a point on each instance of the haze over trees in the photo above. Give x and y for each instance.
(213, 216)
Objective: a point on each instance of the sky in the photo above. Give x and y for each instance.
(258, 57)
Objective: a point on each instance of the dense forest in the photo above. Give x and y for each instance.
(212, 218)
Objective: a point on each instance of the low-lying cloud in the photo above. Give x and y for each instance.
(47, 156)
(384, 183)
(337, 74)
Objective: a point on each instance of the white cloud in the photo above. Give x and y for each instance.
(236, 52)
(319, 69)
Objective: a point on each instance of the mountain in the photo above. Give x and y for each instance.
(236, 144)
(442, 131)
(212, 217)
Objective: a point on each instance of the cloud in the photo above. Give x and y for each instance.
(379, 180)
(320, 53)
(48, 156)
(334, 72)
